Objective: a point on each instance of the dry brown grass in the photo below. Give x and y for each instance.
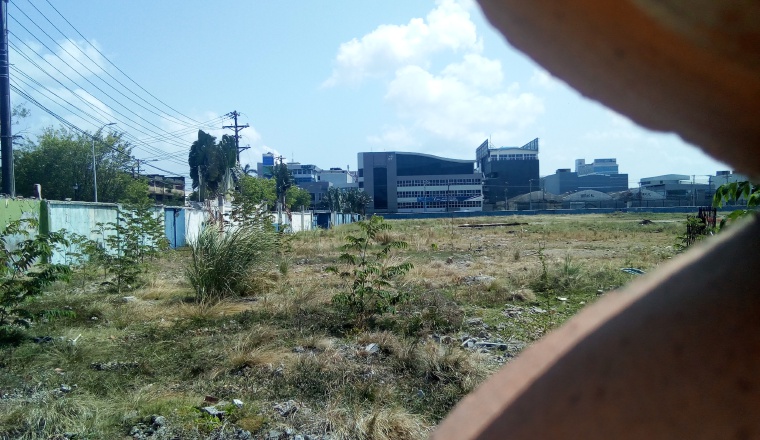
(288, 342)
(381, 423)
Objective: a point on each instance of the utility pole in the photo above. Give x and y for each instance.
(6, 137)
(234, 115)
(138, 165)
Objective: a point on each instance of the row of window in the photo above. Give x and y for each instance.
(433, 205)
(439, 182)
(303, 171)
(514, 157)
(461, 192)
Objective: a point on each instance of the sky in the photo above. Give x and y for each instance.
(317, 82)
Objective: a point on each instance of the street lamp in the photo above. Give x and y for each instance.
(424, 195)
(530, 193)
(94, 171)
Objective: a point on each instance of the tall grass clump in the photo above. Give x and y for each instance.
(227, 264)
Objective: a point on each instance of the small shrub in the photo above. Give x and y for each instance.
(25, 272)
(137, 234)
(225, 264)
(370, 276)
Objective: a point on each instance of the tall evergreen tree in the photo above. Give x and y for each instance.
(210, 163)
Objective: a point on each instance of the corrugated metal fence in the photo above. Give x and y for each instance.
(181, 224)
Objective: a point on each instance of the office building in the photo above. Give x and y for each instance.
(415, 182)
(565, 181)
(264, 168)
(339, 178)
(598, 166)
(508, 171)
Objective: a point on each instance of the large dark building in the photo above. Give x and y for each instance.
(508, 171)
(565, 181)
(414, 182)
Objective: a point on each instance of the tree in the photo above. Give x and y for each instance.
(210, 163)
(351, 200)
(297, 197)
(333, 199)
(356, 201)
(283, 181)
(255, 191)
(733, 191)
(248, 170)
(136, 192)
(368, 273)
(25, 271)
(61, 162)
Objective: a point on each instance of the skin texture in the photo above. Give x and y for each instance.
(676, 353)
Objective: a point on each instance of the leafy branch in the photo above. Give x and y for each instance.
(369, 275)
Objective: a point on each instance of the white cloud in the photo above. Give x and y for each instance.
(448, 110)
(543, 79)
(76, 60)
(465, 104)
(448, 27)
(620, 128)
(394, 138)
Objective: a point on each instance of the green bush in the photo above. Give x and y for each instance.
(225, 264)
(25, 271)
(369, 276)
(136, 235)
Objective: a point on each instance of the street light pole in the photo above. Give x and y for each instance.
(530, 194)
(94, 170)
(448, 194)
(424, 195)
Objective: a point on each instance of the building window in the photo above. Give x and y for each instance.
(380, 181)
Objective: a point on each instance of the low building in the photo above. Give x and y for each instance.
(598, 166)
(339, 178)
(166, 190)
(317, 191)
(415, 182)
(565, 181)
(304, 173)
(679, 189)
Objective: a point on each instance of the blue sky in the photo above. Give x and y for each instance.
(318, 82)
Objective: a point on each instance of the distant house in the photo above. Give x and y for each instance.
(166, 190)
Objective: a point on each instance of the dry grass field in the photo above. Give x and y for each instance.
(285, 363)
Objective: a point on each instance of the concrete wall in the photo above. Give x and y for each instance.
(301, 221)
(80, 218)
(12, 210)
(195, 219)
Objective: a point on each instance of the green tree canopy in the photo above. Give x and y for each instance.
(297, 197)
(347, 200)
(210, 162)
(61, 162)
(283, 179)
(255, 191)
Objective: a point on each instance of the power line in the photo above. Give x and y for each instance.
(92, 109)
(138, 124)
(117, 67)
(86, 67)
(177, 120)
